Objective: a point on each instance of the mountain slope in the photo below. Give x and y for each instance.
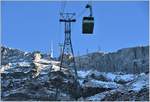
(24, 79)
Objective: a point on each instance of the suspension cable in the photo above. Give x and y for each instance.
(63, 5)
(83, 11)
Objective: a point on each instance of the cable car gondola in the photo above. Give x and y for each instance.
(88, 22)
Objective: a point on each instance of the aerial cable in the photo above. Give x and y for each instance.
(81, 13)
(60, 27)
(63, 5)
(61, 11)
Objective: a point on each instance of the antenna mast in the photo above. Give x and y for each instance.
(51, 50)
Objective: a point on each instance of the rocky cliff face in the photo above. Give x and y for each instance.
(10, 55)
(129, 60)
(23, 78)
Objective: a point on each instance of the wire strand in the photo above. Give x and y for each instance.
(63, 6)
(81, 13)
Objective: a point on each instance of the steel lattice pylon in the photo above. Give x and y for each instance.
(67, 57)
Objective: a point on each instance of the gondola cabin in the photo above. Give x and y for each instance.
(88, 25)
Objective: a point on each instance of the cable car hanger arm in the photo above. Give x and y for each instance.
(90, 8)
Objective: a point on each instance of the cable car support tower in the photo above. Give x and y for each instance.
(67, 18)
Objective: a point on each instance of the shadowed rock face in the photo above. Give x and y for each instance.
(129, 60)
(22, 86)
(90, 91)
(128, 96)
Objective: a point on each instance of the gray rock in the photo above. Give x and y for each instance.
(127, 60)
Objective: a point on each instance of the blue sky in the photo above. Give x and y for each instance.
(33, 25)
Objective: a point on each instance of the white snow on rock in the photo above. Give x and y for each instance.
(108, 79)
(24, 64)
(116, 77)
(100, 96)
(21, 64)
(45, 70)
(81, 82)
(44, 61)
(55, 68)
(110, 76)
(25, 53)
(125, 78)
(83, 74)
(139, 83)
(5, 68)
(54, 62)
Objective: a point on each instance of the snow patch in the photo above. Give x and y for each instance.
(24, 64)
(125, 78)
(110, 76)
(96, 97)
(138, 85)
(140, 82)
(44, 61)
(83, 74)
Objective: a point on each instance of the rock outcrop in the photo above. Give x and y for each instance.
(129, 60)
(26, 77)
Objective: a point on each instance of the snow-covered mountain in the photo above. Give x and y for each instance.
(24, 77)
